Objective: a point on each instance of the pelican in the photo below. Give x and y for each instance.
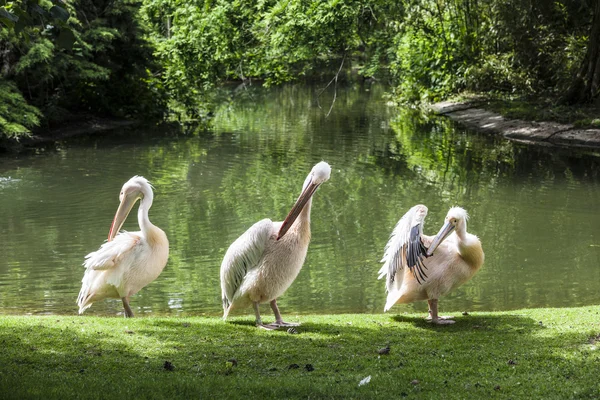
(130, 260)
(419, 267)
(262, 263)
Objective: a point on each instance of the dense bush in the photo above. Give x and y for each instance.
(82, 57)
(429, 48)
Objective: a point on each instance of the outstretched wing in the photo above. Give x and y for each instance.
(243, 255)
(405, 248)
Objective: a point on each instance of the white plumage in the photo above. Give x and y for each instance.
(130, 260)
(263, 262)
(419, 267)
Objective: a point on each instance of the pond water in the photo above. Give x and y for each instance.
(535, 209)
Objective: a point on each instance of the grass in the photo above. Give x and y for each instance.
(540, 353)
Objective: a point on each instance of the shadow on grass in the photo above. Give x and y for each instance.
(484, 322)
(242, 322)
(71, 357)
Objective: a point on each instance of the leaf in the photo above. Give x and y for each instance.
(65, 39)
(59, 13)
(38, 10)
(4, 14)
(20, 25)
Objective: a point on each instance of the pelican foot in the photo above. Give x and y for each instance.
(428, 318)
(282, 324)
(268, 327)
(277, 325)
(441, 321)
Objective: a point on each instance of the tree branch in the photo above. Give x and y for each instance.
(333, 80)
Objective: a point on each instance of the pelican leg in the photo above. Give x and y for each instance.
(128, 312)
(433, 314)
(257, 313)
(278, 320)
(259, 323)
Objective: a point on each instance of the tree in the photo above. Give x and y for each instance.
(72, 61)
(586, 85)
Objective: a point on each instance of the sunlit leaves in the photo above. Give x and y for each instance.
(17, 118)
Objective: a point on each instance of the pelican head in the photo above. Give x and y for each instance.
(135, 189)
(456, 219)
(320, 173)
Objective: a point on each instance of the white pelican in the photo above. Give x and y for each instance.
(262, 263)
(130, 260)
(419, 267)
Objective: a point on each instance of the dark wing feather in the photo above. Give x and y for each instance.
(416, 253)
(405, 248)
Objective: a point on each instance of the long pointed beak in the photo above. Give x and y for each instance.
(439, 238)
(295, 211)
(122, 212)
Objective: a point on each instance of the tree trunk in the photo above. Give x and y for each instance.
(586, 85)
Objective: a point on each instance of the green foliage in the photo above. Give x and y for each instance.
(205, 43)
(22, 117)
(430, 49)
(79, 58)
(94, 57)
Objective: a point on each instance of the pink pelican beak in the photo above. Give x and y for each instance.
(295, 211)
(127, 202)
(439, 238)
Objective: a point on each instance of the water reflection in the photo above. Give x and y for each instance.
(535, 209)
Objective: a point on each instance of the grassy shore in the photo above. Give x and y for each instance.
(541, 353)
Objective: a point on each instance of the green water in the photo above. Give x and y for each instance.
(536, 210)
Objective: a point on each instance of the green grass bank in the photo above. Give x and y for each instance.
(539, 353)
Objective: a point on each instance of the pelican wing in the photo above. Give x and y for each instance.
(110, 253)
(243, 255)
(405, 248)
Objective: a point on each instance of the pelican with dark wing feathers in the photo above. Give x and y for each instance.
(419, 267)
(262, 263)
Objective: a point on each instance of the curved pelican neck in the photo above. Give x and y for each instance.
(461, 231)
(145, 203)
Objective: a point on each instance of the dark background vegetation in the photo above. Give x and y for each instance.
(62, 62)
